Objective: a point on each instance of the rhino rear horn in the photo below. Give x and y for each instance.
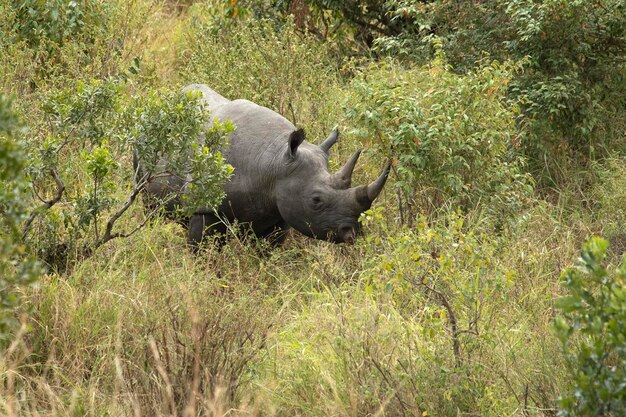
(343, 177)
(330, 141)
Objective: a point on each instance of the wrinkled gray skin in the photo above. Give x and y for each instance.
(280, 180)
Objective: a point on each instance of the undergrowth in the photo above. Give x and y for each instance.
(445, 306)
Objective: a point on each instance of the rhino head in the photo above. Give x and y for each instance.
(317, 203)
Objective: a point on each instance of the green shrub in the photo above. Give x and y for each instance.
(47, 27)
(173, 125)
(76, 171)
(453, 138)
(571, 73)
(16, 267)
(592, 328)
(572, 87)
(51, 23)
(52, 43)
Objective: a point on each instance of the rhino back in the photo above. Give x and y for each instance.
(256, 152)
(211, 99)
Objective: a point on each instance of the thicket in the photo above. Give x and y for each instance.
(453, 138)
(572, 88)
(504, 121)
(265, 62)
(17, 266)
(90, 130)
(593, 309)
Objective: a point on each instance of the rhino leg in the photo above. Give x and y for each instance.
(202, 226)
(276, 234)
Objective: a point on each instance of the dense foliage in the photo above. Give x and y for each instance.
(593, 309)
(571, 85)
(90, 132)
(270, 66)
(17, 268)
(453, 137)
(504, 121)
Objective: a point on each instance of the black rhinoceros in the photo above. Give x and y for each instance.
(280, 180)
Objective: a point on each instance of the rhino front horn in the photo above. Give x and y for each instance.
(330, 141)
(343, 177)
(374, 189)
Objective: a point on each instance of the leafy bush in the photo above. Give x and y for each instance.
(368, 19)
(46, 27)
(46, 43)
(572, 86)
(16, 267)
(573, 46)
(592, 329)
(50, 23)
(75, 169)
(170, 135)
(453, 137)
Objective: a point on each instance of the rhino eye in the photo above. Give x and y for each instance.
(317, 202)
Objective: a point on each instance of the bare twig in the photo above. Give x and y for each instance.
(161, 369)
(435, 295)
(525, 410)
(451, 319)
(46, 205)
(71, 132)
(382, 372)
(197, 332)
(95, 213)
(38, 196)
(108, 233)
(109, 228)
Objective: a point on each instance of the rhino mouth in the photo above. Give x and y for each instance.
(345, 234)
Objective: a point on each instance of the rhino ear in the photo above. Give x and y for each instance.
(295, 139)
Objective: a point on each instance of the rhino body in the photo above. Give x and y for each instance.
(280, 180)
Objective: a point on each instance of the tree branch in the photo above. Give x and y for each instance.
(46, 205)
(435, 295)
(379, 368)
(108, 233)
